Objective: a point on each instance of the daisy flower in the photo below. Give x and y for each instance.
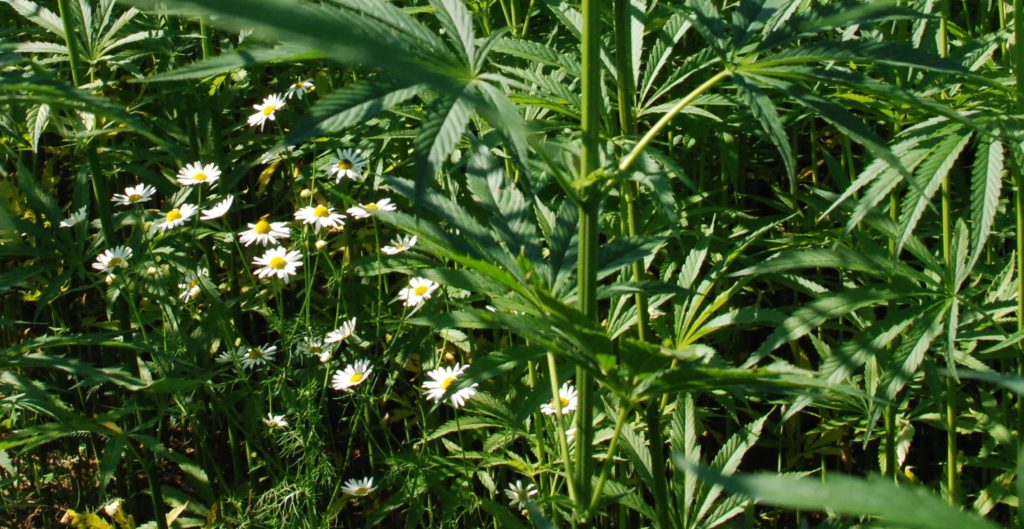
(519, 494)
(74, 218)
(570, 435)
(353, 375)
(278, 262)
(275, 422)
(358, 487)
(399, 244)
(320, 217)
(299, 89)
(134, 195)
(254, 356)
(177, 216)
(265, 110)
(264, 233)
(227, 357)
(218, 210)
(418, 290)
(191, 289)
(196, 173)
(347, 329)
(346, 164)
(566, 398)
(112, 258)
(442, 378)
(365, 210)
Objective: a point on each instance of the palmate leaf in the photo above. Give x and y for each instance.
(440, 131)
(839, 14)
(458, 24)
(35, 89)
(708, 21)
(810, 316)
(767, 116)
(838, 117)
(39, 15)
(667, 37)
(986, 183)
(884, 52)
(349, 106)
(235, 60)
(895, 505)
(727, 461)
(927, 180)
(369, 32)
(511, 216)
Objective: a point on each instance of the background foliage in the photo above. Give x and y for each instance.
(774, 244)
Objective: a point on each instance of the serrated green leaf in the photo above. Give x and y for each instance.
(986, 184)
(901, 505)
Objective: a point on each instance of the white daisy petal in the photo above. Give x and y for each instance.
(567, 399)
(353, 375)
(196, 173)
(266, 110)
(275, 422)
(442, 378)
(349, 163)
(177, 216)
(299, 89)
(112, 258)
(134, 195)
(399, 244)
(418, 290)
(322, 216)
(218, 210)
(264, 232)
(358, 487)
(365, 210)
(278, 262)
(255, 356)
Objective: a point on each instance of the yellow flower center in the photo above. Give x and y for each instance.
(563, 401)
(344, 165)
(114, 261)
(299, 85)
(321, 211)
(134, 198)
(356, 378)
(262, 227)
(371, 207)
(420, 290)
(200, 177)
(361, 491)
(268, 110)
(173, 215)
(254, 354)
(447, 382)
(278, 263)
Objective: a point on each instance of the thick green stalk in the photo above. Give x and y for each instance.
(586, 268)
(70, 41)
(1018, 71)
(947, 258)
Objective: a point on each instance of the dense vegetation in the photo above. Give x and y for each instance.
(511, 263)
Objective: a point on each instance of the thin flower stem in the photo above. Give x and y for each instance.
(609, 460)
(563, 444)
